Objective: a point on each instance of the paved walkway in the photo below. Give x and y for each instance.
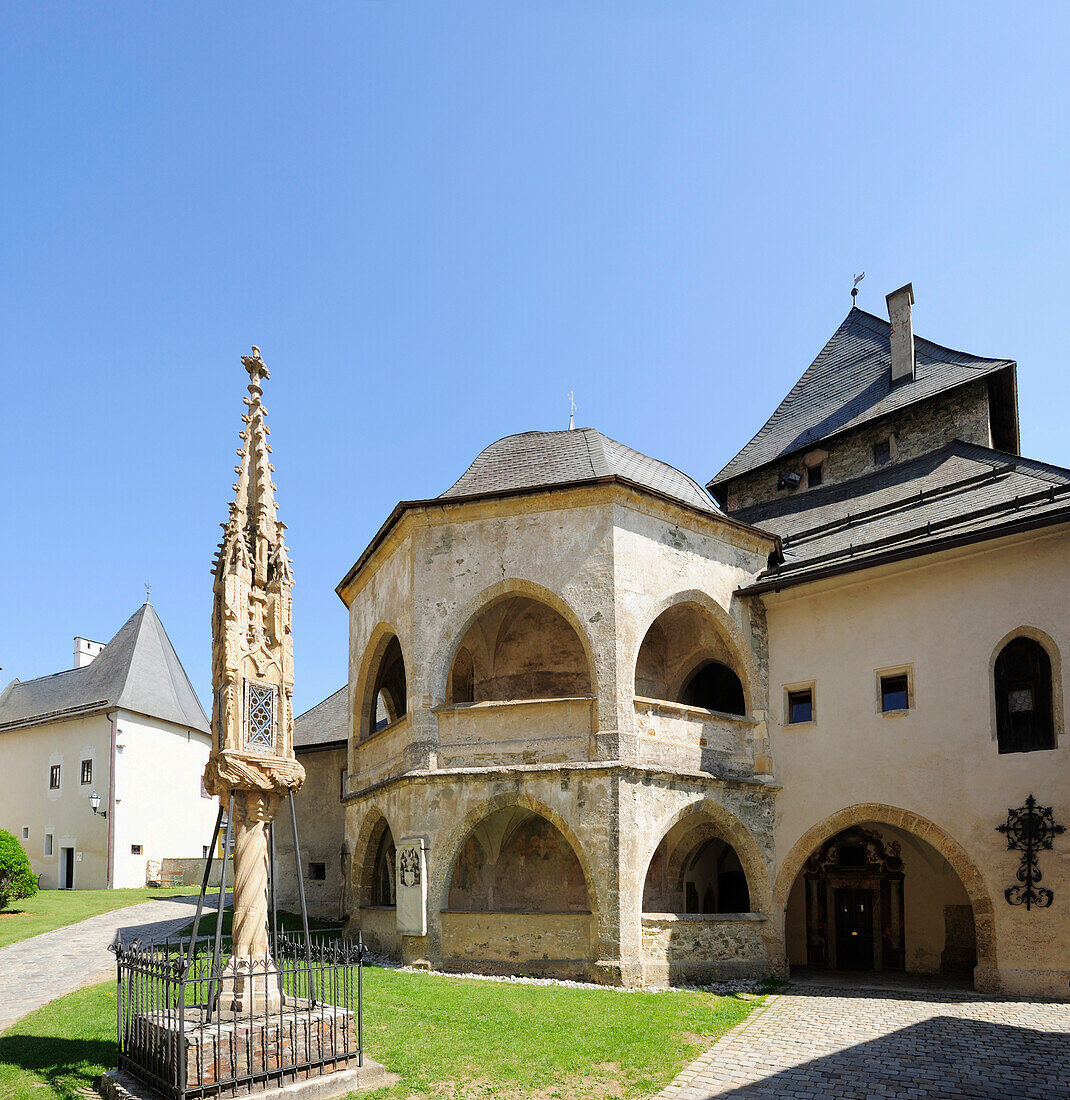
(844, 1043)
(36, 971)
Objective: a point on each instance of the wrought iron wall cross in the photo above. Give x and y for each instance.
(1029, 830)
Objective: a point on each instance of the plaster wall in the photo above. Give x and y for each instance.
(934, 769)
(27, 802)
(158, 800)
(321, 832)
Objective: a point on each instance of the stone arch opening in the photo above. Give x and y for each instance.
(517, 861)
(875, 888)
(686, 657)
(1023, 682)
(376, 870)
(695, 871)
(519, 647)
(385, 700)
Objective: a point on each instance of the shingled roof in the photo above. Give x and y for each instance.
(849, 384)
(325, 724)
(137, 670)
(542, 460)
(959, 493)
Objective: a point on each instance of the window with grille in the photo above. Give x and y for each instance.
(53, 777)
(1024, 712)
(259, 716)
(87, 771)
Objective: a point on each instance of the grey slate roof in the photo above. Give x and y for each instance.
(536, 460)
(849, 384)
(959, 491)
(325, 723)
(137, 670)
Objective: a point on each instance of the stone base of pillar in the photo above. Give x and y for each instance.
(117, 1085)
(251, 985)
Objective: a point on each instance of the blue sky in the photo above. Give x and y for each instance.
(436, 219)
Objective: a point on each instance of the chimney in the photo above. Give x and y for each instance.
(85, 651)
(899, 303)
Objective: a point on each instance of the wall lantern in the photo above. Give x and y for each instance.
(94, 805)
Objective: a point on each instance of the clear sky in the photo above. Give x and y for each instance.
(436, 219)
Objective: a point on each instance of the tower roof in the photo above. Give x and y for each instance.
(137, 670)
(849, 384)
(542, 460)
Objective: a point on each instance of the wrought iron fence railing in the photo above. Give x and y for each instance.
(178, 1030)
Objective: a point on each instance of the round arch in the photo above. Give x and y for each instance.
(1047, 643)
(382, 634)
(724, 824)
(725, 625)
(455, 630)
(453, 842)
(918, 826)
(371, 829)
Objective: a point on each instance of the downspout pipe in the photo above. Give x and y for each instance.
(111, 796)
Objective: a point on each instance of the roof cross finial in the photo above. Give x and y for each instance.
(148, 589)
(854, 289)
(571, 410)
(257, 369)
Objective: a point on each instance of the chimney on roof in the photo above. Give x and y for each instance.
(84, 651)
(899, 303)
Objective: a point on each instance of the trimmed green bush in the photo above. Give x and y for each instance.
(17, 879)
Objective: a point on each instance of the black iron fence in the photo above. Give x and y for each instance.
(301, 1014)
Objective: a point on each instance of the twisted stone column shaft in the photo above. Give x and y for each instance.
(250, 932)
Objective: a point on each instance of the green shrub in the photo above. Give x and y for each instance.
(17, 879)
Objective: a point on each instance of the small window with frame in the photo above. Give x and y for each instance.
(87, 771)
(815, 475)
(343, 775)
(55, 772)
(799, 704)
(882, 452)
(48, 844)
(317, 872)
(895, 691)
(136, 849)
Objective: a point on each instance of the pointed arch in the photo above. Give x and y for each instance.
(378, 675)
(373, 829)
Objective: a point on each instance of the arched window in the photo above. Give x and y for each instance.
(388, 700)
(462, 678)
(715, 687)
(382, 891)
(1023, 697)
(695, 871)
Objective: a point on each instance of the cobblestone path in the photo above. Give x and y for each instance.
(36, 971)
(846, 1044)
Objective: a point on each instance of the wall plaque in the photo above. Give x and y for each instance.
(411, 886)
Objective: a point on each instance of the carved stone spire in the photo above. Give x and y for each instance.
(252, 680)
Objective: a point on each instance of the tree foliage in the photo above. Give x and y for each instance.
(17, 879)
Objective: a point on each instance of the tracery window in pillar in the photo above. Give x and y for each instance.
(260, 716)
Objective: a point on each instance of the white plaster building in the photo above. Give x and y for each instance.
(124, 723)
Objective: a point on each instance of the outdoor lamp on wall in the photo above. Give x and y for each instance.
(94, 805)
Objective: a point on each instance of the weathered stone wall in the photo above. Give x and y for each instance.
(554, 944)
(702, 948)
(962, 413)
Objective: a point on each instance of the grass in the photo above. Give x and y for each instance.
(446, 1038)
(52, 909)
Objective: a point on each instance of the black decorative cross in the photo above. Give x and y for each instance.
(1029, 830)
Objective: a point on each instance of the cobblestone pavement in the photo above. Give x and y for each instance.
(812, 1043)
(36, 971)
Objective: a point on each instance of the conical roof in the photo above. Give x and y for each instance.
(850, 383)
(137, 670)
(543, 460)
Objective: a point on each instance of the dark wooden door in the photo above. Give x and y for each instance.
(68, 867)
(854, 929)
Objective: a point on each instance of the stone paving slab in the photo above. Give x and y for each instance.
(846, 1044)
(42, 968)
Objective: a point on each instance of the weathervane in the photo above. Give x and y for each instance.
(148, 589)
(854, 289)
(571, 410)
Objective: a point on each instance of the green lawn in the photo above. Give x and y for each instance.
(56, 908)
(447, 1038)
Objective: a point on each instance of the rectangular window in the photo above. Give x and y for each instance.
(895, 693)
(343, 775)
(814, 475)
(800, 706)
(25, 832)
(48, 844)
(53, 777)
(87, 771)
(317, 872)
(135, 849)
(882, 452)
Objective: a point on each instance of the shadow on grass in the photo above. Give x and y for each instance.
(70, 1066)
